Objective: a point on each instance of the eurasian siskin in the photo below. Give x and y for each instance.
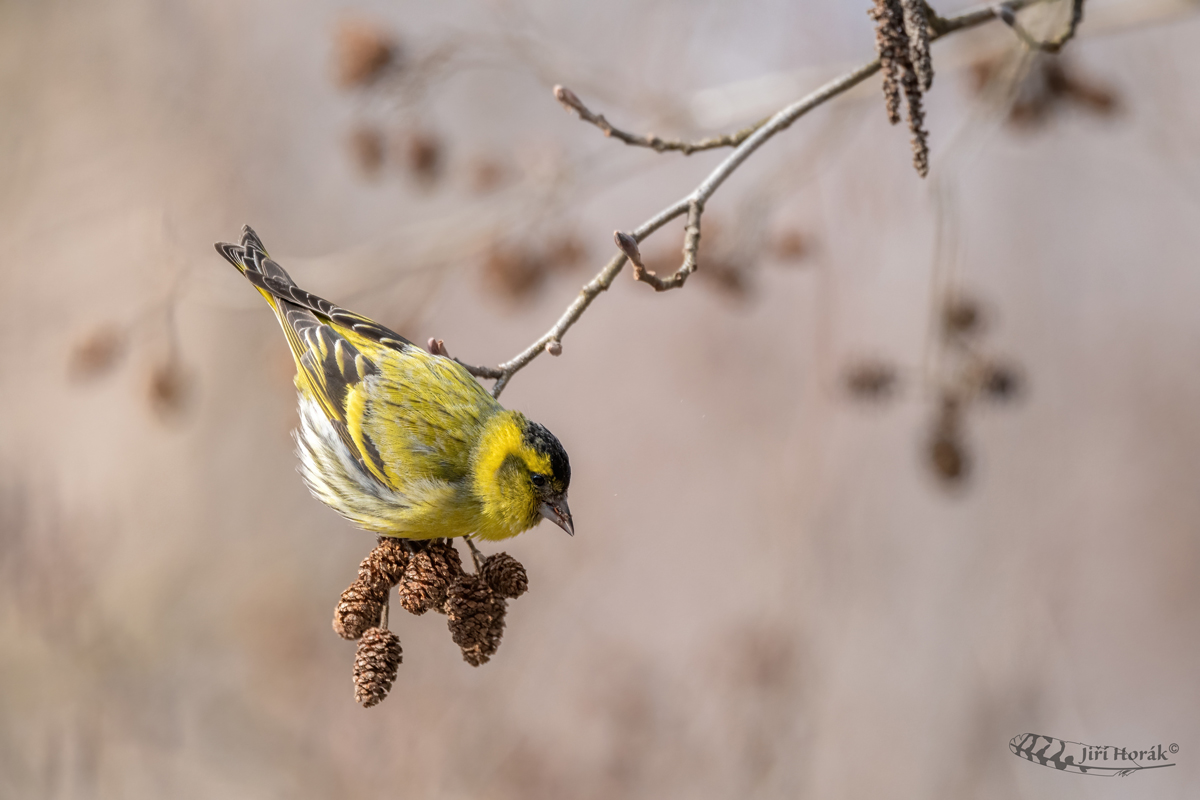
(398, 440)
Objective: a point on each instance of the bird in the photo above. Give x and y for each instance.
(398, 440)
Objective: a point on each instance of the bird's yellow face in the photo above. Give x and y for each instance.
(522, 475)
(549, 474)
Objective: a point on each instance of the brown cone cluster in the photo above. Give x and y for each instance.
(965, 373)
(428, 575)
(375, 665)
(902, 39)
(969, 374)
(362, 603)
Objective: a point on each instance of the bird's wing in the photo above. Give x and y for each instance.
(327, 342)
(277, 282)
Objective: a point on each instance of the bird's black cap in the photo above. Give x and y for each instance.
(546, 443)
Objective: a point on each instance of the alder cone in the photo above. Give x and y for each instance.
(475, 618)
(428, 577)
(445, 559)
(948, 457)
(375, 665)
(358, 609)
(362, 54)
(504, 575)
(384, 566)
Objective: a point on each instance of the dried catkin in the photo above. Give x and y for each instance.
(475, 618)
(902, 41)
(892, 46)
(359, 608)
(916, 122)
(375, 664)
(504, 575)
(916, 25)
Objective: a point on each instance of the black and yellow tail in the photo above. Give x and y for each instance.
(295, 307)
(251, 259)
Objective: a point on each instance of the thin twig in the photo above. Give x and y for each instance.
(438, 348)
(491, 373)
(978, 16)
(1008, 14)
(779, 122)
(476, 556)
(937, 24)
(571, 102)
(691, 244)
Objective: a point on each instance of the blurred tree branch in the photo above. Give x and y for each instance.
(745, 143)
(572, 102)
(1007, 13)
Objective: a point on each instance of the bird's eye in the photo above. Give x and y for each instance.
(538, 480)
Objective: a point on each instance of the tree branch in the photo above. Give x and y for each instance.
(1007, 13)
(693, 204)
(691, 243)
(571, 102)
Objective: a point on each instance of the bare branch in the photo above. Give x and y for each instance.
(628, 245)
(589, 293)
(693, 204)
(571, 102)
(438, 348)
(1008, 14)
(691, 240)
(944, 26)
(691, 243)
(937, 24)
(491, 373)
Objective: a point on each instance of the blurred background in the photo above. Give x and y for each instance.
(908, 469)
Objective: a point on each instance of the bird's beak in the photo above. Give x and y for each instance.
(557, 511)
